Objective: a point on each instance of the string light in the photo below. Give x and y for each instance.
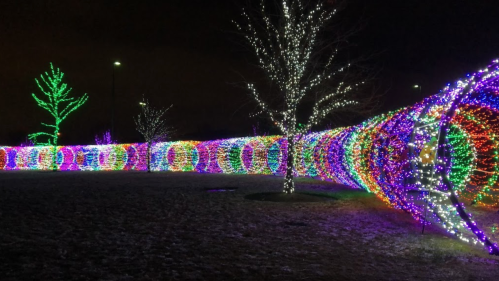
(285, 47)
(58, 104)
(152, 126)
(429, 159)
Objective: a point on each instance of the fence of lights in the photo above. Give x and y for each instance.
(431, 159)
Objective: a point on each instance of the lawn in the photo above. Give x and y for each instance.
(184, 226)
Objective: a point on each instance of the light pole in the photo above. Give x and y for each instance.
(115, 64)
(419, 87)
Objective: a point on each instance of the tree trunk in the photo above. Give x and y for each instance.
(289, 184)
(148, 157)
(54, 154)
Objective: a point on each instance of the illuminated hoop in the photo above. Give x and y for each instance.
(4, 158)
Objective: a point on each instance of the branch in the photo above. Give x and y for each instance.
(265, 108)
(52, 126)
(34, 137)
(73, 106)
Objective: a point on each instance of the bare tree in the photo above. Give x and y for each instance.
(152, 125)
(286, 43)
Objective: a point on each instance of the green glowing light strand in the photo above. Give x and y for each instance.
(59, 105)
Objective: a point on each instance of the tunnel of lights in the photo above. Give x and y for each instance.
(435, 159)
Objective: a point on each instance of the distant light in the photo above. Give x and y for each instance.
(117, 63)
(416, 86)
(142, 103)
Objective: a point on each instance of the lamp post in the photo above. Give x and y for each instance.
(115, 64)
(419, 87)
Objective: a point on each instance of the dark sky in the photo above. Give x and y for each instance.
(187, 54)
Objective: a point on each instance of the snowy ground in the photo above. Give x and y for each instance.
(166, 226)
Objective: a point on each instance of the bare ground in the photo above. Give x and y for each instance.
(168, 226)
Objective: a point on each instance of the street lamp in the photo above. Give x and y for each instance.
(142, 103)
(116, 63)
(419, 87)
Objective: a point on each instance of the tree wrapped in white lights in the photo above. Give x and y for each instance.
(58, 104)
(152, 126)
(287, 49)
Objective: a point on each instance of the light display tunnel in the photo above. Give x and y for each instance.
(437, 160)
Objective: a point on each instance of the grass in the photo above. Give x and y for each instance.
(340, 195)
(167, 226)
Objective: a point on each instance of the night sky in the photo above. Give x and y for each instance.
(187, 53)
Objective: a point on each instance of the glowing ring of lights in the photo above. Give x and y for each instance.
(213, 165)
(254, 156)
(65, 158)
(304, 161)
(177, 156)
(194, 157)
(23, 158)
(159, 156)
(4, 158)
(132, 157)
(191, 155)
(106, 160)
(321, 155)
(203, 156)
(11, 159)
(87, 158)
(224, 155)
(276, 156)
(119, 157)
(44, 158)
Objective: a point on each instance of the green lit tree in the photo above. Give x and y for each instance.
(152, 126)
(57, 103)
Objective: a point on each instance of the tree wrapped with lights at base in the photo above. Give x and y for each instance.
(287, 48)
(152, 126)
(57, 93)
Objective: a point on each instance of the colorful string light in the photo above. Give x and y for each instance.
(430, 159)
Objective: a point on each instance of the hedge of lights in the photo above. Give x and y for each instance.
(430, 159)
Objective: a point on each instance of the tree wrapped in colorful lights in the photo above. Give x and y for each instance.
(56, 93)
(287, 50)
(152, 126)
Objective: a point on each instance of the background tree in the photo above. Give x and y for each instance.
(285, 39)
(104, 139)
(27, 142)
(58, 104)
(152, 126)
